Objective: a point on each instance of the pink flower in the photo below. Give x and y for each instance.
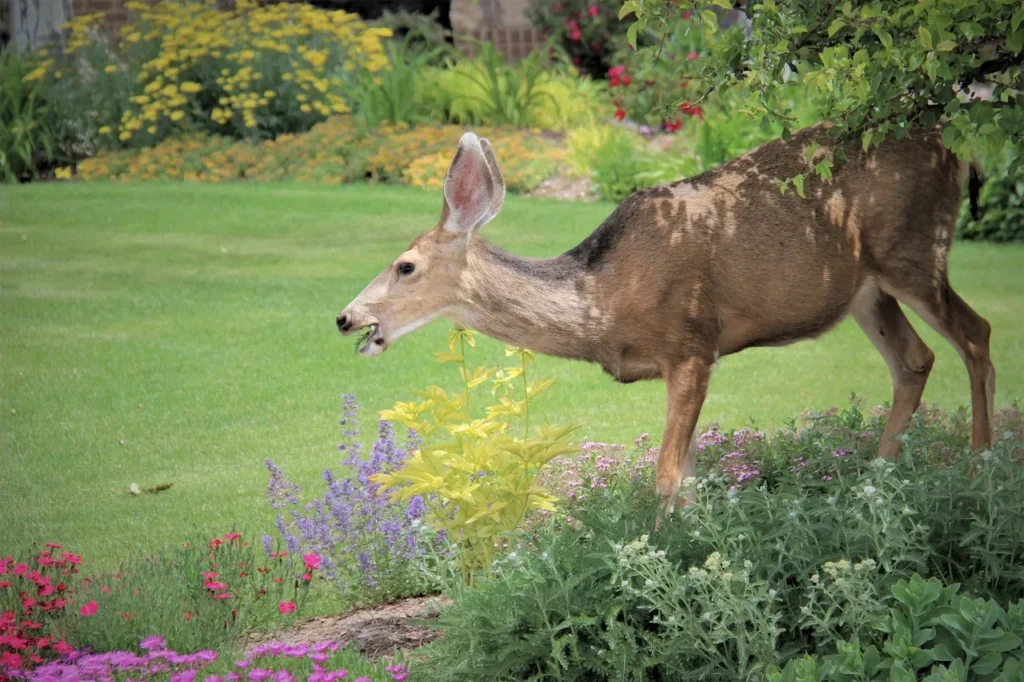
(692, 56)
(46, 590)
(594, 11)
(63, 648)
(307, 576)
(626, 80)
(52, 545)
(286, 607)
(620, 114)
(210, 576)
(687, 15)
(72, 558)
(222, 595)
(20, 569)
(616, 71)
(89, 608)
(312, 561)
(9, 660)
(230, 537)
(212, 585)
(5, 583)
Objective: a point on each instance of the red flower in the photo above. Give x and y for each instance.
(231, 537)
(620, 114)
(9, 660)
(215, 543)
(188, 616)
(312, 561)
(52, 545)
(29, 625)
(626, 80)
(577, 61)
(20, 569)
(17, 643)
(617, 71)
(614, 81)
(673, 126)
(212, 585)
(692, 56)
(46, 590)
(27, 602)
(594, 11)
(286, 607)
(691, 110)
(307, 577)
(71, 558)
(277, 580)
(127, 617)
(687, 15)
(104, 589)
(5, 583)
(89, 609)
(63, 648)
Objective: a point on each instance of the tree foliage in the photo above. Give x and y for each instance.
(871, 68)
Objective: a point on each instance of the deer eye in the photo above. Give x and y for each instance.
(406, 268)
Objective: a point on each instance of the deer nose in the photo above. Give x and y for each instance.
(344, 323)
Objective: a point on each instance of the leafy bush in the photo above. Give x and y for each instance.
(367, 543)
(480, 481)
(1001, 201)
(25, 135)
(199, 595)
(930, 633)
(252, 72)
(806, 552)
(588, 30)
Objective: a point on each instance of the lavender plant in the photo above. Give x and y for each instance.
(366, 540)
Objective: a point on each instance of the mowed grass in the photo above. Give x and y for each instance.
(195, 323)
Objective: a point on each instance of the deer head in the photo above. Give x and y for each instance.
(422, 284)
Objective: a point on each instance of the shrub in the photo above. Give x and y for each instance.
(477, 481)
(804, 554)
(1001, 201)
(25, 135)
(252, 72)
(587, 30)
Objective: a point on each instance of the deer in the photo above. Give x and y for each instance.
(682, 274)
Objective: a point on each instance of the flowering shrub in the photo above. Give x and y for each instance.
(762, 573)
(479, 482)
(255, 71)
(354, 533)
(321, 662)
(200, 595)
(587, 30)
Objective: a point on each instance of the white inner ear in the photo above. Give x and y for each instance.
(469, 188)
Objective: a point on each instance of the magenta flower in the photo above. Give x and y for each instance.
(153, 642)
(312, 561)
(89, 608)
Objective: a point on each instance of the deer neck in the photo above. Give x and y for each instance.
(545, 305)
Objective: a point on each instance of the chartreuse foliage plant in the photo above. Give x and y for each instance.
(478, 475)
(872, 68)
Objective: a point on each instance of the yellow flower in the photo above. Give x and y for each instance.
(110, 68)
(63, 173)
(125, 136)
(191, 87)
(104, 130)
(177, 115)
(151, 130)
(306, 108)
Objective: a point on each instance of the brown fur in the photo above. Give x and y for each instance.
(684, 273)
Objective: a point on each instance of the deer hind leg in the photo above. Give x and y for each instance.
(687, 385)
(907, 356)
(948, 314)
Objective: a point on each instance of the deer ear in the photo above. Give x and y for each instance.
(473, 189)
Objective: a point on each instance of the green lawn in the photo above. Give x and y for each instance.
(195, 323)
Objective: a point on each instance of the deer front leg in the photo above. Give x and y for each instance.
(687, 385)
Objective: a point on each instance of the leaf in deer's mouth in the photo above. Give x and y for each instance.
(364, 338)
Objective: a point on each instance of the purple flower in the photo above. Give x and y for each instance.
(153, 642)
(184, 676)
(257, 674)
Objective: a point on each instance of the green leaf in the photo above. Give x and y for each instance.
(1015, 40)
(798, 182)
(628, 7)
(946, 46)
(709, 18)
(924, 37)
(835, 27)
(631, 33)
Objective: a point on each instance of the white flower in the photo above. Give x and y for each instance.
(869, 490)
(648, 583)
(696, 533)
(512, 556)
(792, 514)
(544, 556)
(987, 455)
(833, 499)
(747, 564)
(815, 578)
(706, 616)
(741, 537)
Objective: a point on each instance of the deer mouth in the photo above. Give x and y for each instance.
(371, 342)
